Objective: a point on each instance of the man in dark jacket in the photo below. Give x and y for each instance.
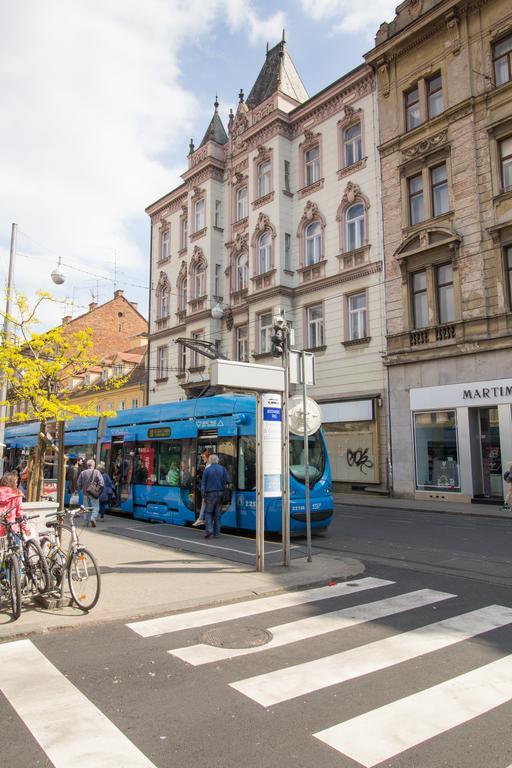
(214, 480)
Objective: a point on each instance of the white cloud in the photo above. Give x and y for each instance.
(93, 108)
(352, 17)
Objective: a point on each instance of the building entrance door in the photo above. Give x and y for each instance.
(490, 453)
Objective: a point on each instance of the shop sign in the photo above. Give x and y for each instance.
(470, 394)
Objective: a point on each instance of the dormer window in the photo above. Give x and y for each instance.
(118, 371)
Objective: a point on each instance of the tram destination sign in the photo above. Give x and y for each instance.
(159, 432)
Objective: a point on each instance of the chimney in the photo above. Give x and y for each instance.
(134, 304)
(118, 294)
(67, 319)
(92, 306)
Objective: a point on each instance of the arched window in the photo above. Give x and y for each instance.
(313, 243)
(182, 294)
(199, 280)
(242, 272)
(264, 253)
(354, 227)
(353, 148)
(241, 203)
(162, 303)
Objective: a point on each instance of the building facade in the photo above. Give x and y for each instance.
(280, 214)
(444, 74)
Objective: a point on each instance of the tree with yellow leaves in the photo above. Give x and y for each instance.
(37, 368)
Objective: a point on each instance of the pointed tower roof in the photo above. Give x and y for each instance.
(277, 74)
(215, 131)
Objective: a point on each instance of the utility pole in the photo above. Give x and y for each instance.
(306, 455)
(280, 347)
(7, 331)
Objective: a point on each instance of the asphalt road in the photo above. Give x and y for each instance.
(433, 690)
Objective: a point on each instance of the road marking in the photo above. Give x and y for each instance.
(200, 543)
(389, 730)
(315, 626)
(284, 684)
(68, 726)
(194, 619)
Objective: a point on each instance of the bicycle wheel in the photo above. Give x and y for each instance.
(37, 567)
(55, 560)
(84, 579)
(13, 577)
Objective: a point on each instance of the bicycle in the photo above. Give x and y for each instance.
(10, 579)
(77, 562)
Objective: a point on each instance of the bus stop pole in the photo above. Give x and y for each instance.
(306, 457)
(260, 501)
(285, 463)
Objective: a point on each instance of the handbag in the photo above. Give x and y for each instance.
(73, 499)
(226, 495)
(95, 487)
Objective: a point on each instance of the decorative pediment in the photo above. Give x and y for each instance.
(310, 137)
(427, 239)
(351, 194)
(197, 256)
(311, 213)
(262, 150)
(163, 282)
(310, 210)
(350, 115)
(196, 192)
(425, 146)
(184, 210)
(263, 222)
(182, 274)
(240, 242)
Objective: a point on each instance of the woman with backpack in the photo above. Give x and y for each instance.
(507, 476)
(90, 482)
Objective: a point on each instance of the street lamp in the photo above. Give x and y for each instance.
(57, 276)
(217, 311)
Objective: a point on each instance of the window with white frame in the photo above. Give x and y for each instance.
(439, 189)
(162, 310)
(354, 227)
(122, 405)
(196, 359)
(315, 326)
(182, 358)
(161, 362)
(412, 108)
(445, 301)
(199, 215)
(199, 280)
(416, 207)
(435, 101)
(311, 165)
(182, 295)
(165, 245)
(502, 56)
(242, 272)
(287, 251)
(264, 253)
(505, 148)
(118, 370)
(242, 343)
(264, 332)
(420, 298)
(352, 144)
(313, 243)
(218, 214)
(241, 203)
(264, 176)
(135, 402)
(183, 233)
(357, 316)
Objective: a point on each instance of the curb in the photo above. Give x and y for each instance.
(436, 511)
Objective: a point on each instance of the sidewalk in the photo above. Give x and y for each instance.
(144, 579)
(415, 505)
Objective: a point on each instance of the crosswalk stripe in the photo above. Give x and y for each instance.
(382, 733)
(314, 626)
(68, 726)
(284, 684)
(201, 618)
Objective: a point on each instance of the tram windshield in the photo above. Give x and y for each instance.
(316, 456)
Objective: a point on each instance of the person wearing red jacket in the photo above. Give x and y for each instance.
(10, 502)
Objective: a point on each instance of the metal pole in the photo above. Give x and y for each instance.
(285, 460)
(260, 501)
(7, 330)
(306, 456)
(61, 465)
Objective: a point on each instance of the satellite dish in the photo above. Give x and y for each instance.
(296, 415)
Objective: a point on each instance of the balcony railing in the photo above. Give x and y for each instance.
(424, 336)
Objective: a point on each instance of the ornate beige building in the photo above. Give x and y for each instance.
(444, 73)
(281, 213)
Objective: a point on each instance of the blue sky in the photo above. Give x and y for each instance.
(103, 97)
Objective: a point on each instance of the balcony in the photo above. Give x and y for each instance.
(197, 305)
(239, 297)
(312, 272)
(265, 280)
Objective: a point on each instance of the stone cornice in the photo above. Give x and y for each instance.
(168, 204)
(326, 282)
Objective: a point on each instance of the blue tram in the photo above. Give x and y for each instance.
(153, 455)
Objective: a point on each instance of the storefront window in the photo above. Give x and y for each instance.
(437, 457)
(353, 451)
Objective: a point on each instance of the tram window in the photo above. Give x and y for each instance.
(144, 472)
(226, 451)
(247, 464)
(316, 463)
(169, 459)
(188, 463)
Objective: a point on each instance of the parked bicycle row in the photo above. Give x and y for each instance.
(48, 563)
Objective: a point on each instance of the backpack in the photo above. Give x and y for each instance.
(506, 477)
(95, 486)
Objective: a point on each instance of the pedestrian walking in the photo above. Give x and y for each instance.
(72, 480)
(214, 481)
(108, 491)
(507, 476)
(204, 462)
(90, 482)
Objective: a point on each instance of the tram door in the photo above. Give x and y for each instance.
(121, 468)
(225, 448)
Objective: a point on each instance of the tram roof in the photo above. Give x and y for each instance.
(184, 409)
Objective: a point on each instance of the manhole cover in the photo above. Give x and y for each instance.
(236, 636)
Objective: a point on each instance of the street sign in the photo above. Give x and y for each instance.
(271, 445)
(296, 367)
(247, 376)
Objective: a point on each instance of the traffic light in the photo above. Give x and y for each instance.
(278, 338)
